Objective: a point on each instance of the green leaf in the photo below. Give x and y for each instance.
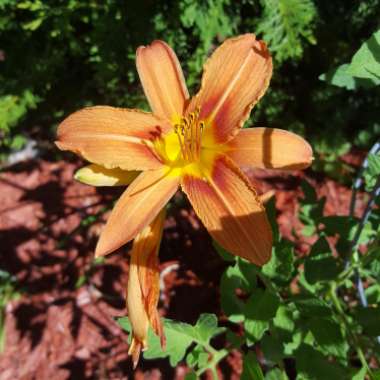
(366, 61)
(272, 347)
(231, 280)
(312, 365)
(311, 208)
(176, 342)
(309, 230)
(329, 337)
(191, 376)
(251, 368)
(374, 266)
(34, 24)
(320, 265)
(309, 192)
(205, 328)
(248, 274)
(339, 224)
(281, 265)
(368, 318)
(372, 172)
(339, 77)
(235, 340)
(295, 343)
(374, 164)
(261, 305)
(284, 319)
(260, 308)
(360, 374)
(376, 374)
(254, 330)
(373, 292)
(179, 336)
(276, 374)
(197, 358)
(312, 307)
(18, 142)
(342, 77)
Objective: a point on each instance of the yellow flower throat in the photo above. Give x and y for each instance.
(182, 146)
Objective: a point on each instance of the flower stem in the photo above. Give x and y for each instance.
(354, 339)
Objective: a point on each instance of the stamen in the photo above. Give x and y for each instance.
(189, 132)
(177, 128)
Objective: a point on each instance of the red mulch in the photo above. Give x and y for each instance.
(56, 330)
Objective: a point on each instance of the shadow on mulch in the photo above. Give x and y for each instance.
(49, 251)
(49, 258)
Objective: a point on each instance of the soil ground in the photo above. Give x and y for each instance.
(62, 326)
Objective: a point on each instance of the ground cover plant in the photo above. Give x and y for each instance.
(296, 296)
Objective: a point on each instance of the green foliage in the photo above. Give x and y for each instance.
(285, 24)
(366, 61)
(320, 265)
(57, 57)
(301, 310)
(372, 172)
(362, 71)
(251, 368)
(13, 109)
(342, 77)
(182, 338)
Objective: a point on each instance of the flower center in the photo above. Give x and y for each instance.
(189, 132)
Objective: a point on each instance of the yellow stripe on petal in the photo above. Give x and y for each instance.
(96, 175)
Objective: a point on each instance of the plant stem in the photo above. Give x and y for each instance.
(354, 339)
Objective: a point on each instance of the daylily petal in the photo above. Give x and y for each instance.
(231, 211)
(162, 79)
(113, 137)
(144, 288)
(266, 197)
(96, 175)
(235, 77)
(270, 148)
(136, 208)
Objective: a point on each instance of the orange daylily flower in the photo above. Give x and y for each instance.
(196, 144)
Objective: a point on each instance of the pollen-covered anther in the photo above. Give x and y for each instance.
(189, 132)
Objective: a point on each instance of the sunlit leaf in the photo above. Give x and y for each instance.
(251, 368)
(366, 62)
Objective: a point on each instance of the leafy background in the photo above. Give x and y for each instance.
(58, 56)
